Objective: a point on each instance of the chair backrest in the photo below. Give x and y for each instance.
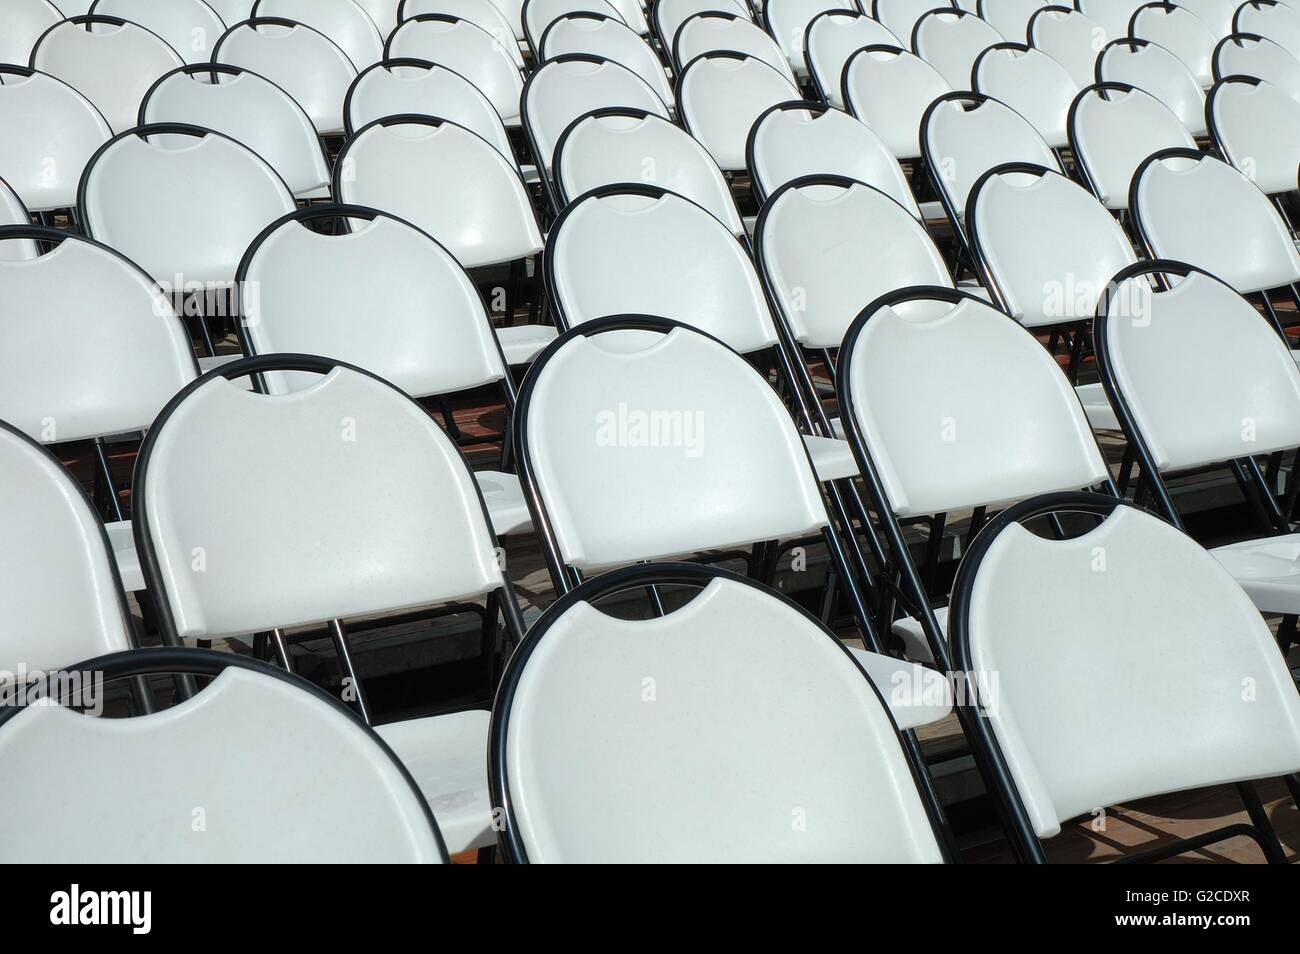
(570, 86)
(108, 60)
(285, 553)
(612, 146)
(539, 14)
(1072, 733)
(1153, 69)
(1203, 376)
(1247, 54)
(1010, 17)
(384, 14)
(60, 131)
(445, 180)
(951, 41)
(343, 21)
(484, 14)
(1256, 127)
(1047, 248)
(21, 24)
(890, 89)
(1181, 32)
(417, 87)
(669, 15)
(1277, 21)
(787, 21)
(832, 38)
(719, 32)
(829, 246)
(382, 295)
(13, 212)
(1113, 16)
(62, 601)
(250, 110)
(793, 140)
(900, 16)
(543, 753)
(1215, 14)
(190, 27)
(1031, 83)
(646, 444)
(1113, 127)
(721, 95)
(960, 407)
(469, 50)
(1070, 38)
(963, 135)
(305, 63)
(135, 184)
(116, 351)
(232, 11)
(641, 250)
(132, 787)
(611, 39)
(1193, 208)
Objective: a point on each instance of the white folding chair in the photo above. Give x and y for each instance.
(667, 16)
(190, 27)
(1010, 17)
(890, 89)
(484, 14)
(470, 51)
(718, 802)
(787, 22)
(1215, 14)
(1113, 16)
(1256, 127)
(1153, 69)
(1113, 128)
(719, 32)
(899, 17)
(1031, 83)
(1181, 32)
(1070, 38)
(305, 63)
(252, 111)
(21, 24)
(615, 145)
(599, 35)
(1066, 728)
(1276, 21)
(539, 14)
(1247, 54)
(951, 41)
(833, 37)
(108, 60)
(721, 95)
(347, 25)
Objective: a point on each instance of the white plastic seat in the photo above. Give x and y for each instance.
(719, 32)
(290, 556)
(1276, 21)
(1073, 733)
(963, 135)
(1047, 246)
(798, 140)
(1070, 38)
(610, 39)
(890, 90)
(446, 181)
(1256, 127)
(611, 146)
(1113, 128)
(1215, 14)
(484, 14)
(1113, 16)
(1010, 17)
(468, 50)
(899, 17)
(132, 188)
(787, 22)
(575, 796)
(833, 37)
(305, 63)
(130, 789)
(539, 14)
(1031, 83)
(347, 25)
(1199, 210)
(190, 27)
(721, 95)
(959, 407)
(61, 130)
(62, 602)
(418, 87)
(1181, 32)
(1153, 69)
(951, 41)
(21, 24)
(425, 328)
(669, 15)
(1244, 54)
(250, 110)
(108, 60)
